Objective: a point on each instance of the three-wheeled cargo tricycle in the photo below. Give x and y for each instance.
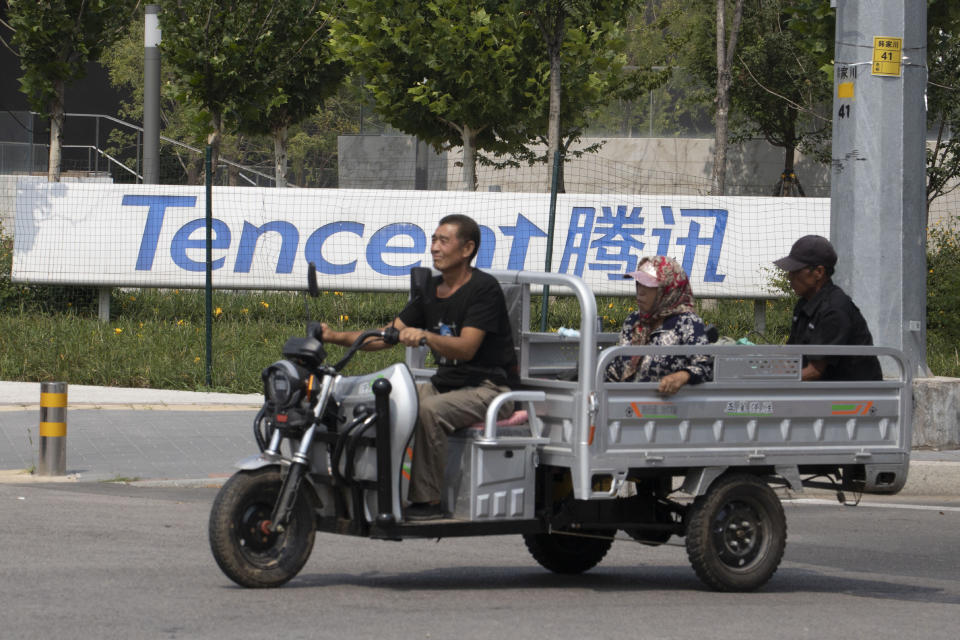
(580, 460)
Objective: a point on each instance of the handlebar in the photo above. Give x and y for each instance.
(390, 335)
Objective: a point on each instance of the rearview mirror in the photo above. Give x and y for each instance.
(421, 285)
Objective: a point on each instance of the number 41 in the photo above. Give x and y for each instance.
(844, 111)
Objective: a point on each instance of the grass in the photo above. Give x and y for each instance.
(121, 480)
(156, 338)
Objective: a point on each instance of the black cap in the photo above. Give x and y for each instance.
(809, 251)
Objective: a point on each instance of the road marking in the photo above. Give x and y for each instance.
(878, 505)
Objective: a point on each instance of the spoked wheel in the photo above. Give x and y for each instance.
(564, 553)
(736, 534)
(240, 537)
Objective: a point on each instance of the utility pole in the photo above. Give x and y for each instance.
(151, 95)
(878, 173)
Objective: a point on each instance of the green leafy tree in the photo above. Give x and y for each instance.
(312, 147)
(313, 144)
(179, 120)
(292, 69)
(779, 92)
(450, 73)
(655, 102)
(208, 43)
(580, 38)
(710, 33)
(55, 39)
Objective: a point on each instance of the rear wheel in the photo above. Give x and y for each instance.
(736, 534)
(242, 543)
(568, 553)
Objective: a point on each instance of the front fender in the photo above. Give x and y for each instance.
(259, 461)
(262, 461)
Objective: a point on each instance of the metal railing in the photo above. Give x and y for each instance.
(244, 172)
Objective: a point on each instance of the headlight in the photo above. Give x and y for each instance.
(284, 384)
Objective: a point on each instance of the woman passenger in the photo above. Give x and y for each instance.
(664, 316)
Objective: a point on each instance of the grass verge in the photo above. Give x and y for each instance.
(156, 338)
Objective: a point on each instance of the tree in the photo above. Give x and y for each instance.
(448, 72)
(180, 120)
(292, 71)
(55, 39)
(726, 50)
(313, 143)
(778, 90)
(654, 35)
(709, 54)
(587, 24)
(312, 146)
(207, 43)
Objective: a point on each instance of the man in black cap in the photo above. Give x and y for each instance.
(825, 314)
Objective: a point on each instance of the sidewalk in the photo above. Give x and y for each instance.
(175, 437)
(194, 438)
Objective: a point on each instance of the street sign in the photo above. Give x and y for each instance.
(886, 56)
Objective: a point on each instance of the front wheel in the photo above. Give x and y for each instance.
(242, 544)
(736, 534)
(568, 553)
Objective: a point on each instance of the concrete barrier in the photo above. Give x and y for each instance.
(936, 413)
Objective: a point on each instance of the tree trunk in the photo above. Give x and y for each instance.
(280, 156)
(553, 125)
(57, 117)
(469, 137)
(789, 157)
(725, 53)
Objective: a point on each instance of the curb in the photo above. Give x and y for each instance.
(932, 478)
(23, 476)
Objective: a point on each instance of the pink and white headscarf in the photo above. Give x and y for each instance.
(673, 296)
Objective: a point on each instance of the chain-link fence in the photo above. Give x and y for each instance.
(134, 255)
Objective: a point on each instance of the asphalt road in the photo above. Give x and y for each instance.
(94, 560)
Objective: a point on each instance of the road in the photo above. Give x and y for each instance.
(96, 560)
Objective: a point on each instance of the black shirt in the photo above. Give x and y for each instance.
(480, 304)
(831, 317)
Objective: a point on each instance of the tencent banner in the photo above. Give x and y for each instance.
(154, 236)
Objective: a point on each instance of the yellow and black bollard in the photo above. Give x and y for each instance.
(53, 429)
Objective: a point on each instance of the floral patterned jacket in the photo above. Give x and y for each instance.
(680, 329)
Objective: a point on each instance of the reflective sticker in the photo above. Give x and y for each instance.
(854, 408)
(654, 410)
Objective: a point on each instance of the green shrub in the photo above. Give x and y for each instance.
(943, 281)
(40, 298)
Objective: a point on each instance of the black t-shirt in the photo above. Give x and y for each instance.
(480, 304)
(831, 317)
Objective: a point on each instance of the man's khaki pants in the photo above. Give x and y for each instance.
(440, 415)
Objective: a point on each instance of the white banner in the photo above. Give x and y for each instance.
(154, 235)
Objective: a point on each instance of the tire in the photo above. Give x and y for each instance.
(562, 553)
(247, 556)
(736, 534)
